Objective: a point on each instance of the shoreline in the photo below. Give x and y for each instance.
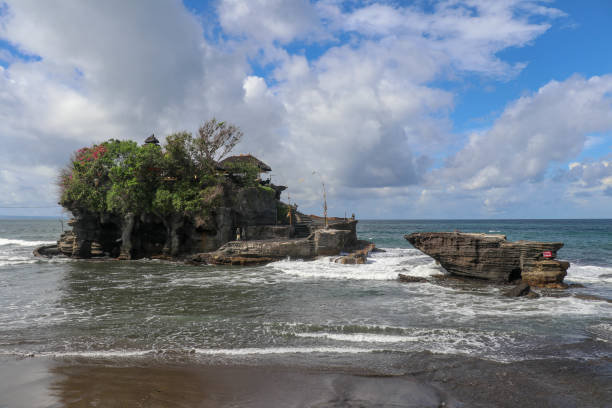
(303, 334)
(418, 380)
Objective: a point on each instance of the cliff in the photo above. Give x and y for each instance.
(207, 240)
(492, 257)
(134, 201)
(250, 209)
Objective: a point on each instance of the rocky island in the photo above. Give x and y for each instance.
(186, 200)
(492, 257)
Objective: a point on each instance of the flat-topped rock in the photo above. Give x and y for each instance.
(323, 242)
(492, 257)
(259, 251)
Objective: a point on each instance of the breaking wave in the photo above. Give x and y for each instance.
(23, 243)
(589, 274)
(380, 266)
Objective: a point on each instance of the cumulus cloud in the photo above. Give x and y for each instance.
(86, 72)
(266, 21)
(368, 105)
(356, 114)
(590, 178)
(363, 111)
(590, 174)
(466, 34)
(104, 69)
(120, 48)
(31, 186)
(548, 126)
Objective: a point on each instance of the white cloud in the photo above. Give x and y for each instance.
(31, 184)
(548, 126)
(356, 114)
(468, 34)
(363, 113)
(267, 21)
(106, 69)
(592, 176)
(128, 52)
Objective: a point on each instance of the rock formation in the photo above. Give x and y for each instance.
(320, 242)
(252, 210)
(522, 289)
(411, 279)
(209, 240)
(546, 273)
(359, 256)
(492, 257)
(133, 201)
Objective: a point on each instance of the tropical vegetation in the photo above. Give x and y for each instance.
(179, 177)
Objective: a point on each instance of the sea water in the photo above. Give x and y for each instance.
(314, 312)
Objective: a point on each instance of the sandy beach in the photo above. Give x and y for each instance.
(427, 381)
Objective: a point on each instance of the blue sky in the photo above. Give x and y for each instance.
(408, 109)
(577, 44)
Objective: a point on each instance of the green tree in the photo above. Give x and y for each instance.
(214, 142)
(122, 177)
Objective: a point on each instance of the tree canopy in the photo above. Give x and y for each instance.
(176, 178)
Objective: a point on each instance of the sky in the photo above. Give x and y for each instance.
(404, 109)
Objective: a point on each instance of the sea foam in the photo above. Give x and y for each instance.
(380, 266)
(283, 350)
(589, 274)
(23, 243)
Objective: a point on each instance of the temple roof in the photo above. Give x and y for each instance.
(245, 158)
(151, 139)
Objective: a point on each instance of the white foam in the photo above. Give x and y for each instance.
(24, 243)
(424, 271)
(497, 346)
(360, 337)
(601, 332)
(101, 354)
(17, 257)
(210, 352)
(466, 306)
(15, 260)
(380, 266)
(86, 354)
(589, 274)
(283, 350)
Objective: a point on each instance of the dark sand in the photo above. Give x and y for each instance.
(428, 381)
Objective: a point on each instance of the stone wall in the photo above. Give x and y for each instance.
(332, 241)
(268, 232)
(324, 242)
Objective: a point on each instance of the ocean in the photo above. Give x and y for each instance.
(312, 314)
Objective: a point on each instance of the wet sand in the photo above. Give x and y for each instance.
(428, 381)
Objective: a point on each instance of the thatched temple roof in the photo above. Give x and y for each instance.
(244, 159)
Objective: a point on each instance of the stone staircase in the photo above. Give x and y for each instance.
(302, 225)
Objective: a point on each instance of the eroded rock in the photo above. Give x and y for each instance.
(522, 289)
(47, 251)
(492, 257)
(545, 273)
(411, 279)
(357, 257)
